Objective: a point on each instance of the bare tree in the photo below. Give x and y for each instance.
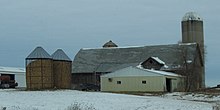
(187, 68)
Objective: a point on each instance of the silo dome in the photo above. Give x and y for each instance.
(60, 55)
(39, 53)
(109, 44)
(192, 16)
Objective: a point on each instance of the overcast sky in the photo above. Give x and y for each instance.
(75, 24)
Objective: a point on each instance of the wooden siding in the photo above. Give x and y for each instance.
(81, 78)
(62, 74)
(39, 75)
(151, 64)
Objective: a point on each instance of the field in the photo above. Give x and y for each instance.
(11, 99)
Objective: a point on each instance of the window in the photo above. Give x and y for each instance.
(109, 79)
(118, 82)
(151, 61)
(144, 82)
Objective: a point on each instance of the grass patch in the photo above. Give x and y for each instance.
(80, 106)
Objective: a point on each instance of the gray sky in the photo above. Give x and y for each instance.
(75, 24)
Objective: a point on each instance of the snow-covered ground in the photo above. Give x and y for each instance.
(193, 97)
(63, 99)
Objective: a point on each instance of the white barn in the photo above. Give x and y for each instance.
(17, 74)
(137, 79)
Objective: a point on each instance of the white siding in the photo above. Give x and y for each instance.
(131, 81)
(21, 80)
(153, 84)
(20, 76)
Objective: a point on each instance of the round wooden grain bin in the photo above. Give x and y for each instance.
(39, 70)
(62, 66)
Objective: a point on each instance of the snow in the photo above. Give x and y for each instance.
(62, 99)
(193, 97)
(158, 72)
(189, 61)
(11, 70)
(192, 16)
(164, 73)
(158, 60)
(194, 43)
(113, 47)
(165, 66)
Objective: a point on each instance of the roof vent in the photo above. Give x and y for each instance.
(109, 44)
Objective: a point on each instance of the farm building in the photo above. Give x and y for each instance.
(138, 79)
(17, 74)
(185, 58)
(89, 64)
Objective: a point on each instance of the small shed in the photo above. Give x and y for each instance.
(17, 74)
(138, 79)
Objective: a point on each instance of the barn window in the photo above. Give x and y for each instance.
(118, 82)
(144, 82)
(109, 79)
(151, 61)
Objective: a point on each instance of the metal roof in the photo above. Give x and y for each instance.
(158, 60)
(110, 67)
(38, 53)
(109, 44)
(112, 59)
(60, 55)
(192, 16)
(157, 71)
(140, 72)
(11, 70)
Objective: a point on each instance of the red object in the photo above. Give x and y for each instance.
(5, 78)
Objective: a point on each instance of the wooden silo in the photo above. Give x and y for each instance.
(39, 70)
(62, 66)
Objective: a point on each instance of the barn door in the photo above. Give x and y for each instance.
(169, 84)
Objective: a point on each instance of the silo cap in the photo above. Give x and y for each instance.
(192, 16)
(59, 54)
(39, 53)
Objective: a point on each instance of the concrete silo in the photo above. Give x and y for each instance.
(192, 32)
(39, 70)
(62, 66)
(192, 29)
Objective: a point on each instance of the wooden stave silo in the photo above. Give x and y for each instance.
(39, 71)
(62, 67)
(62, 74)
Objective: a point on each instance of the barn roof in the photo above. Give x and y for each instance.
(138, 71)
(38, 53)
(112, 59)
(158, 60)
(59, 54)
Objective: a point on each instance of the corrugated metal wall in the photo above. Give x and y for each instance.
(134, 84)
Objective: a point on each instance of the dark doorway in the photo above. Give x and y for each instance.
(169, 85)
(12, 76)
